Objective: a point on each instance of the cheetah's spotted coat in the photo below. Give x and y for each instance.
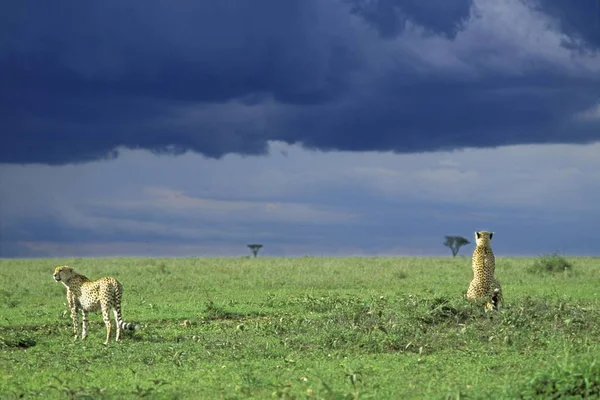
(88, 296)
(484, 283)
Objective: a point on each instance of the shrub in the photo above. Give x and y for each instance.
(550, 264)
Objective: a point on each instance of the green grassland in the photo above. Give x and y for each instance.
(311, 327)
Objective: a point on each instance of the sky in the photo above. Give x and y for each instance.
(313, 127)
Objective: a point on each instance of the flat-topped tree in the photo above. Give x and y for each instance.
(455, 243)
(254, 248)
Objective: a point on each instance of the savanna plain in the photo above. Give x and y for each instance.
(306, 328)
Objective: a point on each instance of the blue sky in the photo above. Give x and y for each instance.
(324, 127)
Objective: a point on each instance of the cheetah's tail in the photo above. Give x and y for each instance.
(128, 326)
(496, 298)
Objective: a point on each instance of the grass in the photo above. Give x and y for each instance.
(305, 328)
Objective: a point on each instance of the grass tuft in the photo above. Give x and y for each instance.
(580, 379)
(552, 263)
(17, 342)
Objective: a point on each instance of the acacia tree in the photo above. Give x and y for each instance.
(254, 248)
(455, 243)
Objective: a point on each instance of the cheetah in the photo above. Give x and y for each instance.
(484, 284)
(89, 296)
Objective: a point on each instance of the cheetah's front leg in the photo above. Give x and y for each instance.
(75, 318)
(74, 315)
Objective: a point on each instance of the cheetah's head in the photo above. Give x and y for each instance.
(62, 273)
(483, 238)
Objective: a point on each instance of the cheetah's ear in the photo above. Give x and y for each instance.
(491, 234)
(477, 234)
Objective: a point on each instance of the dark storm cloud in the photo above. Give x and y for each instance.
(580, 19)
(389, 17)
(81, 79)
(433, 118)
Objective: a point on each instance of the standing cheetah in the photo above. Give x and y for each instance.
(89, 296)
(484, 284)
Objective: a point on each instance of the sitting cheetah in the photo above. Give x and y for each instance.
(484, 284)
(88, 296)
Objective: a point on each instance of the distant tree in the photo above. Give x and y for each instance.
(254, 248)
(455, 243)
